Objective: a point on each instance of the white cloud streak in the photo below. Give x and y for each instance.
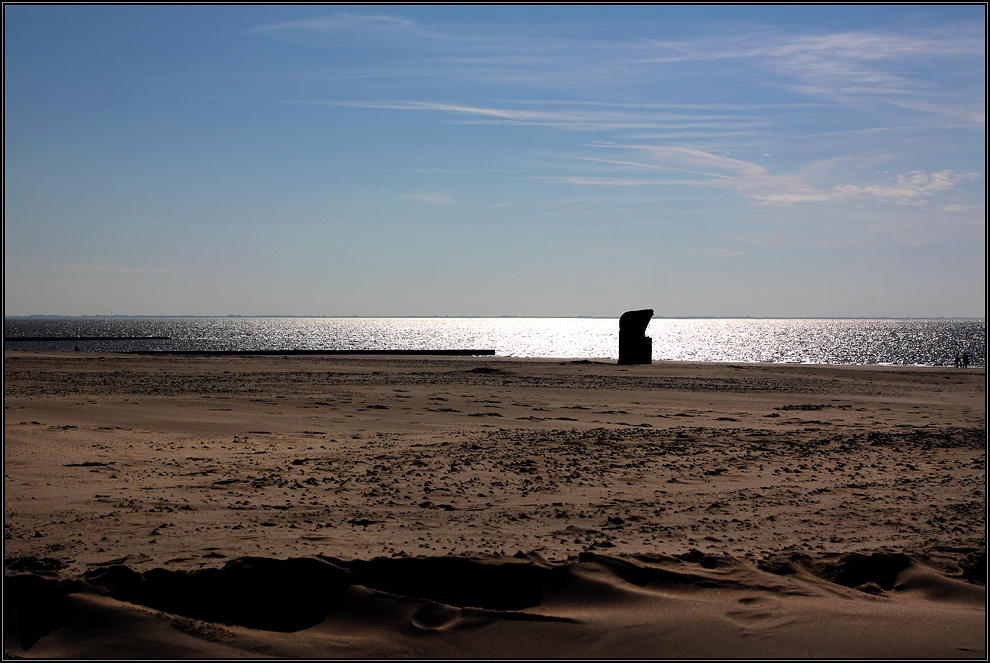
(718, 253)
(115, 269)
(834, 70)
(838, 65)
(908, 187)
(756, 183)
(629, 118)
(342, 26)
(431, 198)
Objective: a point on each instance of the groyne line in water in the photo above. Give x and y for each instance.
(37, 339)
(317, 352)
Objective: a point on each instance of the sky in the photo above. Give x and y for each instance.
(765, 161)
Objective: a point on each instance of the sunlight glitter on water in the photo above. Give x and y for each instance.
(822, 341)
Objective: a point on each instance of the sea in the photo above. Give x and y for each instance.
(902, 342)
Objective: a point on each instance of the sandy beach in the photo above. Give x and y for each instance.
(333, 506)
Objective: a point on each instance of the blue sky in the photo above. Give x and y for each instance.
(503, 160)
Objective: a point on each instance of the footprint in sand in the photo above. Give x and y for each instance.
(434, 616)
(759, 612)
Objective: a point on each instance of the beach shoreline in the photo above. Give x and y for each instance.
(744, 497)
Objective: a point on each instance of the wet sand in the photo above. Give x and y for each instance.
(334, 506)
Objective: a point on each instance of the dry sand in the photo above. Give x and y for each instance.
(311, 506)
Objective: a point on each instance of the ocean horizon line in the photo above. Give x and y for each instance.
(495, 317)
(925, 341)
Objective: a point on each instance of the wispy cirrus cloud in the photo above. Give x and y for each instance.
(718, 253)
(815, 75)
(806, 73)
(839, 63)
(343, 29)
(431, 198)
(822, 66)
(961, 114)
(909, 187)
(913, 188)
(711, 170)
(115, 269)
(755, 182)
(625, 181)
(958, 208)
(652, 166)
(579, 116)
(701, 158)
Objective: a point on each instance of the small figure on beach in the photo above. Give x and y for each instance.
(965, 360)
(958, 361)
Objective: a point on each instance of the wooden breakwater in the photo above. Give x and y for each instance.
(72, 339)
(449, 353)
(64, 339)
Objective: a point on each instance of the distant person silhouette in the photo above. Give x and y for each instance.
(958, 361)
(965, 360)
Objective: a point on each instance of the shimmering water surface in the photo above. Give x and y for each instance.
(831, 341)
